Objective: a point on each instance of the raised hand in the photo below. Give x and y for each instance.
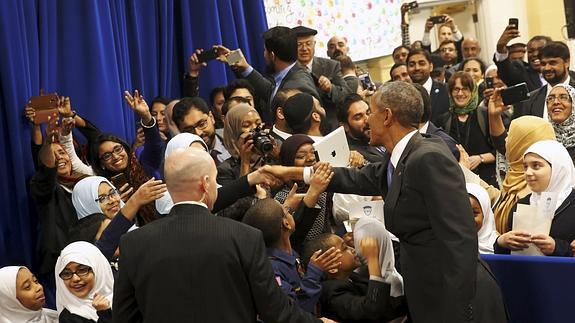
(496, 105)
(356, 159)
(100, 303)
(508, 34)
(67, 126)
(139, 105)
(65, 107)
(125, 192)
(324, 84)
(149, 192)
(194, 64)
(30, 113)
(293, 199)
(369, 248)
(52, 129)
(328, 261)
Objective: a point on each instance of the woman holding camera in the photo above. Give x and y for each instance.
(468, 125)
(250, 147)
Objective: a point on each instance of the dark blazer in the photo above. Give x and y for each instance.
(536, 104)
(439, 100)
(515, 72)
(427, 208)
(67, 317)
(369, 152)
(352, 82)
(297, 78)
(450, 142)
(339, 90)
(206, 269)
(562, 227)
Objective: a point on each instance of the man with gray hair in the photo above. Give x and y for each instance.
(193, 266)
(427, 208)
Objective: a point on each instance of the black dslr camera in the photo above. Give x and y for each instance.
(262, 141)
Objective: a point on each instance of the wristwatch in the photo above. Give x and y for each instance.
(481, 159)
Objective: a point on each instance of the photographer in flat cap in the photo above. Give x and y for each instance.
(326, 73)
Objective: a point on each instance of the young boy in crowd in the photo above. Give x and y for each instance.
(277, 225)
(348, 296)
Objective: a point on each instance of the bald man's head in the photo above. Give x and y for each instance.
(190, 175)
(337, 43)
(470, 47)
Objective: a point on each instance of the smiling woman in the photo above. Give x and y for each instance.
(560, 110)
(468, 125)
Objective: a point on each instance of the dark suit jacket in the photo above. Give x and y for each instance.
(339, 90)
(439, 100)
(450, 142)
(428, 209)
(195, 267)
(535, 106)
(515, 72)
(369, 152)
(352, 82)
(297, 78)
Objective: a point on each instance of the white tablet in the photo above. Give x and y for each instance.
(333, 148)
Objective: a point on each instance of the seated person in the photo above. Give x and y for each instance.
(548, 168)
(22, 297)
(348, 296)
(483, 216)
(84, 284)
(277, 226)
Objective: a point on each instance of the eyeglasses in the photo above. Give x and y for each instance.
(447, 49)
(107, 197)
(118, 149)
(460, 89)
(562, 98)
(200, 125)
(82, 271)
(308, 44)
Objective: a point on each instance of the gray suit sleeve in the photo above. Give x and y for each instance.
(263, 86)
(339, 88)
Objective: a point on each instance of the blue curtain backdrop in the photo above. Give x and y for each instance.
(93, 50)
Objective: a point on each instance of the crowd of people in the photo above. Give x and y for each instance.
(220, 210)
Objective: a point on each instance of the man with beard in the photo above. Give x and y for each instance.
(419, 67)
(194, 116)
(337, 45)
(352, 115)
(325, 72)
(280, 54)
(398, 72)
(517, 71)
(554, 60)
(304, 115)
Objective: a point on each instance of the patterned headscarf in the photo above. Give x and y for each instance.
(565, 131)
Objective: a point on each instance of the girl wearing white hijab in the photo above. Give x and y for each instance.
(22, 297)
(101, 212)
(84, 284)
(372, 228)
(180, 141)
(548, 168)
(484, 219)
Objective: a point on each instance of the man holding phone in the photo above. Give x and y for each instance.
(514, 72)
(447, 30)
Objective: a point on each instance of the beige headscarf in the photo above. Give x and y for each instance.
(233, 127)
(523, 132)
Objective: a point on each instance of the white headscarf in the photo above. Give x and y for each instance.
(11, 310)
(562, 171)
(85, 194)
(87, 254)
(370, 227)
(487, 235)
(181, 141)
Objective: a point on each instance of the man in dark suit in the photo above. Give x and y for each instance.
(280, 53)
(352, 115)
(419, 67)
(194, 267)
(427, 208)
(554, 58)
(325, 72)
(514, 72)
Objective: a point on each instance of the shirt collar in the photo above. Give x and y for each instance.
(192, 203)
(281, 74)
(400, 147)
(282, 134)
(219, 147)
(424, 128)
(282, 255)
(428, 84)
